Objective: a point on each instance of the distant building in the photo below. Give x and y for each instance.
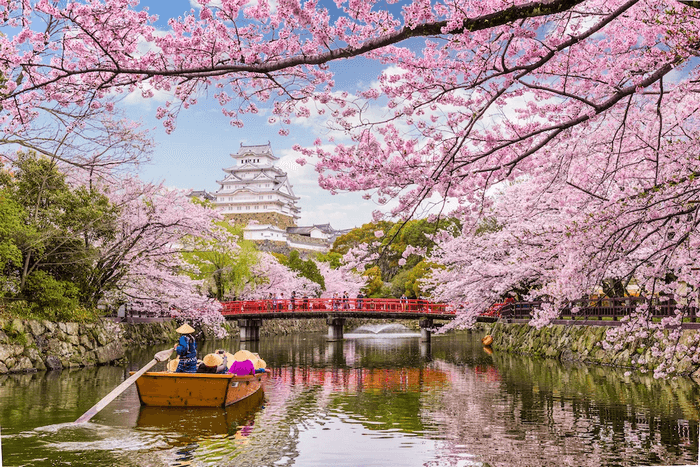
(258, 194)
(203, 194)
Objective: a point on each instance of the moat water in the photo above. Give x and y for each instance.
(370, 400)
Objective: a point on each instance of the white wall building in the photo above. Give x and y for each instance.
(254, 185)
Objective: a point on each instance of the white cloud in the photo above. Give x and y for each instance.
(219, 4)
(158, 95)
(212, 3)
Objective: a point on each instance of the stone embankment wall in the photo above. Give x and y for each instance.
(582, 344)
(44, 345)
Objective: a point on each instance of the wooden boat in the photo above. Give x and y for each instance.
(166, 389)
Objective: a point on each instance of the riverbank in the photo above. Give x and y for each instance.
(583, 344)
(27, 346)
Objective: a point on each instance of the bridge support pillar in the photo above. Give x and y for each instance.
(249, 329)
(335, 328)
(426, 324)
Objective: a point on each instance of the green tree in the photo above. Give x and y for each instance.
(374, 282)
(392, 244)
(305, 268)
(11, 216)
(61, 225)
(224, 263)
(333, 258)
(413, 278)
(364, 234)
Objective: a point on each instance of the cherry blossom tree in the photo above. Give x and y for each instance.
(223, 260)
(340, 280)
(590, 105)
(143, 266)
(547, 246)
(100, 141)
(497, 90)
(272, 277)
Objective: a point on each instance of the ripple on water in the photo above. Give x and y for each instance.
(96, 437)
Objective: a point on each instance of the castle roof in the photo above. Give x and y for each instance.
(257, 149)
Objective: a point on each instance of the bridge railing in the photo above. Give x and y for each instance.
(324, 305)
(598, 308)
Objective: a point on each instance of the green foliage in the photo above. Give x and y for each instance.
(11, 215)
(31, 311)
(364, 234)
(374, 285)
(224, 265)
(15, 335)
(398, 284)
(412, 286)
(407, 281)
(334, 259)
(488, 225)
(44, 290)
(48, 233)
(401, 278)
(304, 268)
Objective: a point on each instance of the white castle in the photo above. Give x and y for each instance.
(258, 194)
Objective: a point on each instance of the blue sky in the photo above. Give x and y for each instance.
(194, 154)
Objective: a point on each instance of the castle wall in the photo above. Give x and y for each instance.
(273, 218)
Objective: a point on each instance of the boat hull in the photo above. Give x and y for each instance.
(165, 389)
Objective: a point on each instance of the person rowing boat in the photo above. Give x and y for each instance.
(186, 349)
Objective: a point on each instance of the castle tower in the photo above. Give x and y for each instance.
(254, 189)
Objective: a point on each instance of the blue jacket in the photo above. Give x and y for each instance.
(187, 351)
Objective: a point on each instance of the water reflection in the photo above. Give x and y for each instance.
(425, 350)
(370, 401)
(191, 423)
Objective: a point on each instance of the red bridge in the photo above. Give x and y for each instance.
(251, 313)
(349, 308)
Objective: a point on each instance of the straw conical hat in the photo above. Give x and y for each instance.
(185, 329)
(243, 355)
(172, 365)
(259, 362)
(211, 359)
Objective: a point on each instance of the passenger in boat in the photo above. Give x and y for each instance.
(186, 349)
(213, 363)
(242, 368)
(259, 364)
(243, 363)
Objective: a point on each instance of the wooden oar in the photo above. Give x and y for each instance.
(159, 357)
